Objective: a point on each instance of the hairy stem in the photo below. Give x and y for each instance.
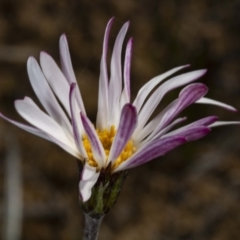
(92, 226)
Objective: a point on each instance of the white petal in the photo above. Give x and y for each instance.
(150, 85)
(217, 103)
(34, 115)
(88, 172)
(56, 79)
(70, 149)
(45, 94)
(67, 69)
(223, 123)
(102, 114)
(115, 84)
(127, 67)
(77, 126)
(85, 187)
(139, 135)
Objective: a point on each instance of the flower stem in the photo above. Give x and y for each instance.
(92, 226)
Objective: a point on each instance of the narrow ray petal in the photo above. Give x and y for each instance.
(76, 121)
(127, 67)
(187, 96)
(43, 135)
(67, 69)
(115, 84)
(27, 128)
(128, 122)
(56, 79)
(205, 100)
(223, 123)
(190, 133)
(157, 96)
(162, 132)
(102, 114)
(150, 85)
(97, 148)
(150, 151)
(35, 116)
(152, 125)
(45, 94)
(204, 121)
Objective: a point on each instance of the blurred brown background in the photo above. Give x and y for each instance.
(194, 191)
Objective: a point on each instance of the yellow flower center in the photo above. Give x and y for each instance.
(106, 137)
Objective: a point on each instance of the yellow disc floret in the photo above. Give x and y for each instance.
(106, 137)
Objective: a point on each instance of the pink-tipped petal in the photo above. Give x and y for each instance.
(157, 96)
(205, 100)
(204, 121)
(187, 96)
(190, 133)
(56, 79)
(115, 84)
(150, 151)
(102, 114)
(77, 127)
(128, 122)
(45, 94)
(97, 148)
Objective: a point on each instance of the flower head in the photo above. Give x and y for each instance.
(124, 136)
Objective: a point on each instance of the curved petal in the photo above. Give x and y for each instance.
(150, 151)
(45, 94)
(126, 95)
(27, 128)
(102, 115)
(151, 126)
(85, 186)
(40, 133)
(115, 84)
(88, 172)
(128, 122)
(67, 69)
(157, 96)
(77, 127)
(190, 133)
(97, 148)
(162, 132)
(56, 79)
(35, 116)
(187, 96)
(223, 123)
(203, 122)
(205, 100)
(150, 85)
